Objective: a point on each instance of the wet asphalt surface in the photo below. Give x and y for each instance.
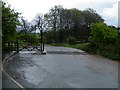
(62, 68)
(7, 82)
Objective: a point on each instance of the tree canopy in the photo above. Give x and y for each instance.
(102, 35)
(9, 23)
(66, 23)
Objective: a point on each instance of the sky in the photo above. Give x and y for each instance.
(108, 9)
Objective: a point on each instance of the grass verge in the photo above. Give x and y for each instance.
(106, 52)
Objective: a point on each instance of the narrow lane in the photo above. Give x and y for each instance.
(70, 68)
(7, 82)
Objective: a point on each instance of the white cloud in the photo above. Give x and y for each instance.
(29, 8)
(119, 14)
(111, 14)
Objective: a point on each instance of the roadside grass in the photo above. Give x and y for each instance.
(83, 46)
(106, 51)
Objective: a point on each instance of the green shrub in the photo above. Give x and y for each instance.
(72, 41)
(104, 40)
(31, 39)
(103, 35)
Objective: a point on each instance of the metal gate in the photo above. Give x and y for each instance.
(17, 46)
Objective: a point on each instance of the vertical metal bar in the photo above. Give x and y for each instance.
(17, 48)
(11, 47)
(43, 46)
(41, 40)
(14, 46)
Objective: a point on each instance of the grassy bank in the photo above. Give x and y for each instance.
(106, 51)
(83, 46)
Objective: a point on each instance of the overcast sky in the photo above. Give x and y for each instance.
(108, 9)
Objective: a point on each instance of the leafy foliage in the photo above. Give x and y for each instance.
(9, 23)
(29, 38)
(72, 41)
(64, 23)
(104, 40)
(103, 35)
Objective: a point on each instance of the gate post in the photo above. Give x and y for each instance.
(41, 39)
(17, 46)
(43, 46)
(11, 46)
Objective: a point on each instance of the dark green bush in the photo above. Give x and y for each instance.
(103, 35)
(104, 40)
(72, 41)
(29, 38)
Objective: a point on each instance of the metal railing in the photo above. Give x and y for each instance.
(17, 46)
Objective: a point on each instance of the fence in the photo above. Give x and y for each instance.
(17, 46)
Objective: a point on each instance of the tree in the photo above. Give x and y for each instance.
(9, 23)
(40, 23)
(24, 26)
(91, 16)
(102, 35)
(70, 23)
(54, 20)
(104, 40)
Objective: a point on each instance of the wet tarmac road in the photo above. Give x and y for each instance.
(7, 82)
(62, 68)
